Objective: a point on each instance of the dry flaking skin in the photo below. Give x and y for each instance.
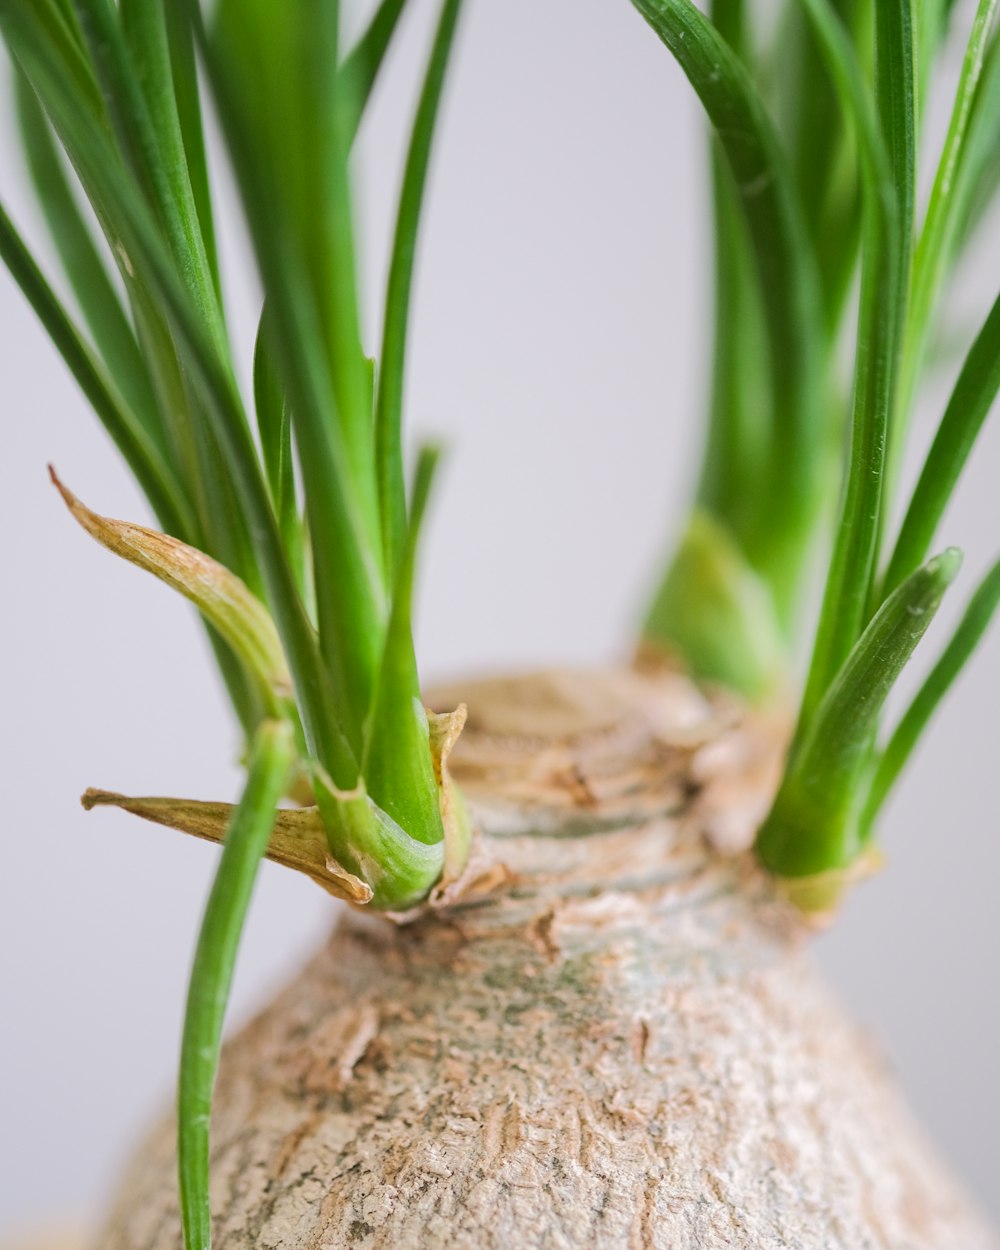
(607, 1036)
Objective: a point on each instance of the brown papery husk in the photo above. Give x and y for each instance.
(608, 1035)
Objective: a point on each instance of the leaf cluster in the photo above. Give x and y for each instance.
(298, 491)
(284, 515)
(818, 130)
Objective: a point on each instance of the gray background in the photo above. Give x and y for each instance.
(560, 347)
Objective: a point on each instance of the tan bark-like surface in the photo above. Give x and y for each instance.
(607, 1037)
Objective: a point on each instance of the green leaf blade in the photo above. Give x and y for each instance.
(361, 67)
(275, 431)
(934, 251)
(978, 616)
(184, 69)
(888, 222)
(971, 400)
(245, 844)
(389, 399)
(979, 173)
(130, 50)
(733, 475)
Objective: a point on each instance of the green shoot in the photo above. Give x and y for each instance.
(814, 825)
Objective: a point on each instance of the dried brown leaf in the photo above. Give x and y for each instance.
(298, 839)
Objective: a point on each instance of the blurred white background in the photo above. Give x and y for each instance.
(560, 348)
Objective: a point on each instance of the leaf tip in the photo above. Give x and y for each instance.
(79, 510)
(68, 497)
(92, 798)
(948, 563)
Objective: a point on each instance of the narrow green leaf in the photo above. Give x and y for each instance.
(979, 172)
(855, 99)
(212, 973)
(814, 825)
(143, 457)
(188, 102)
(823, 156)
(361, 66)
(845, 155)
(732, 472)
(895, 95)
(272, 417)
(275, 430)
(54, 24)
(969, 405)
(789, 285)
(973, 625)
(887, 179)
(935, 248)
(392, 363)
(729, 17)
(397, 764)
(733, 476)
(932, 19)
